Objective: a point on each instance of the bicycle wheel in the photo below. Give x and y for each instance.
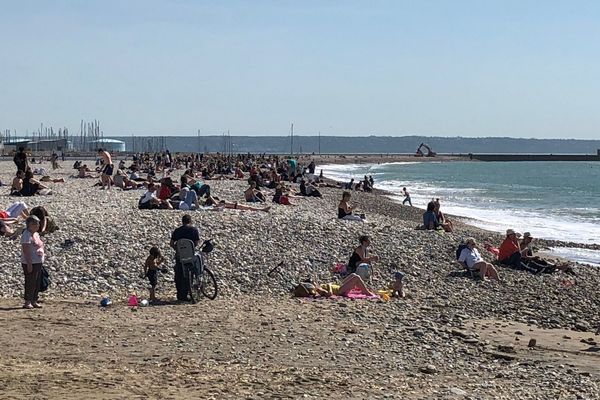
(194, 286)
(208, 285)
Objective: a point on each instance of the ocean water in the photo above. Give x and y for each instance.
(552, 200)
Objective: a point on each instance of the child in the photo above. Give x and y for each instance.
(151, 269)
(397, 285)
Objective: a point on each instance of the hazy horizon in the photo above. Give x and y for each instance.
(519, 69)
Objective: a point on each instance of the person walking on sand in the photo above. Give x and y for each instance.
(32, 258)
(406, 197)
(107, 169)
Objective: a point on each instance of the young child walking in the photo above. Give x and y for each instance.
(151, 267)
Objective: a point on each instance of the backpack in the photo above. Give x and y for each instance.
(460, 248)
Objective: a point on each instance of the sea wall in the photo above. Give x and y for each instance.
(535, 157)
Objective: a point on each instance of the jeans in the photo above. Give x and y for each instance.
(407, 199)
(204, 190)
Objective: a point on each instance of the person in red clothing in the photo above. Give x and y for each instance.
(164, 193)
(510, 252)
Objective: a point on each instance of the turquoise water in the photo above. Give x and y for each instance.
(553, 200)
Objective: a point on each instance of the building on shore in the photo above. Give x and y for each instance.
(110, 145)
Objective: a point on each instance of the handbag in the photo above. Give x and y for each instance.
(45, 281)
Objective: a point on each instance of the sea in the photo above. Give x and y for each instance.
(552, 200)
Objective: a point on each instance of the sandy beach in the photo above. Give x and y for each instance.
(452, 337)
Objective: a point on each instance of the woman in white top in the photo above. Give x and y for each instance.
(471, 258)
(32, 258)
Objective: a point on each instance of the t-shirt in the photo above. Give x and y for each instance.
(164, 193)
(148, 196)
(507, 249)
(36, 250)
(428, 217)
(470, 257)
(186, 232)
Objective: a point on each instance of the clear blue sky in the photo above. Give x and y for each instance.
(444, 68)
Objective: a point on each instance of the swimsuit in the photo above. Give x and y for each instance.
(108, 169)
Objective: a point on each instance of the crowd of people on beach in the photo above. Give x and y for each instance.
(282, 180)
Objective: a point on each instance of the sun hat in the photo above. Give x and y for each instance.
(512, 232)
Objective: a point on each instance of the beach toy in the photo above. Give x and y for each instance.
(105, 302)
(364, 271)
(144, 303)
(133, 301)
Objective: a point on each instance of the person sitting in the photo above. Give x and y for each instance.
(307, 189)
(345, 210)
(253, 195)
(201, 188)
(360, 256)
(31, 187)
(280, 198)
(510, 253)
(17, 183)
(487, 244)
(350, 185)
(84, 172)
(188, 199)
(47, 224)
(164, 192)
(398, 285)
(149, 201)
(471, 259)
(537, 263)
(445, 223)
(122, 181)
(430, 221)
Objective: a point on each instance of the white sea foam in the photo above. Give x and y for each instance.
(488, 213)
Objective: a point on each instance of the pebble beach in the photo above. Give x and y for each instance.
(451, 337)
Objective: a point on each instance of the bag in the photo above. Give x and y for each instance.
(305, 289)
(45, 280)
(459, 250)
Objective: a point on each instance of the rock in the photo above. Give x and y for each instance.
(532, 343)
(458, 392)
(428, 369)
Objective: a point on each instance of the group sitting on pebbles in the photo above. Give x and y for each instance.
(280, 179)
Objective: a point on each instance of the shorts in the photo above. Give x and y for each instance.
(108, 170)
(152, 276)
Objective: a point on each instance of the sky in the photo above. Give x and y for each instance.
(437, 68)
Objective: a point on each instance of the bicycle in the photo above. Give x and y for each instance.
(200, 279)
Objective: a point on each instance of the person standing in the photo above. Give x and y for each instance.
(107, 168)
(406, 197)
(20, 159)
(185, 231)
(32, 259)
